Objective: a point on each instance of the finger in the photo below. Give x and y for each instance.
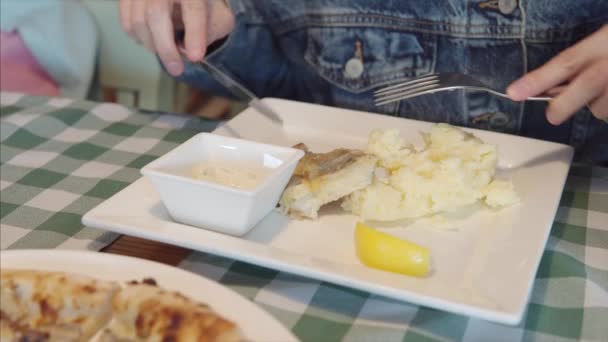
(584, 89)
(159, 19)
(599, 106)
(555, 90)
(221, 21)
(194, 14)
(125, 16)
(140, 27)
(561, 68)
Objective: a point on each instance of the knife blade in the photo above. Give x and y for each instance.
(241, 91)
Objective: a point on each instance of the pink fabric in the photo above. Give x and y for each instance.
(19, 70)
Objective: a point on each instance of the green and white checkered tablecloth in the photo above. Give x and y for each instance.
(60, 158)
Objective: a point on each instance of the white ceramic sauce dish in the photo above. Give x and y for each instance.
(222, 206)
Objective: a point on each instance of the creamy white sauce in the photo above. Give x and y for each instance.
(234, 174)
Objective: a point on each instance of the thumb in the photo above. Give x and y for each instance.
(221, 21)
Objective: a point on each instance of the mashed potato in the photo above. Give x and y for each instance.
(453, 170)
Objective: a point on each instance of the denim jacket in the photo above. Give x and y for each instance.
(336, 52)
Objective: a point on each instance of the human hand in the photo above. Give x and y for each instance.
(584, 69)
(153, 23)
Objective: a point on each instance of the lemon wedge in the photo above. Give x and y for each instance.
(385, 252)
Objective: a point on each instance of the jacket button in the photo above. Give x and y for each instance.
(354, 68)
(507, 6)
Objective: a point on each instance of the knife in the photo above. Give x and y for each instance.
(235, 87)
(240, 91)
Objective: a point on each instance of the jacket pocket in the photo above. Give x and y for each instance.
(361, 58)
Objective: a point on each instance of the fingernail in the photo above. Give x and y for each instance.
(196, 54)
(174, 68)
(518, 90)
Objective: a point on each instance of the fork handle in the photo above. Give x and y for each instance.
(531, 98)
(539, 98)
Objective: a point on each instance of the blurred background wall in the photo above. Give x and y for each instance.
(76, 48)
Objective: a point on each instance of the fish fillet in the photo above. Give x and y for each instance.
(322, 178)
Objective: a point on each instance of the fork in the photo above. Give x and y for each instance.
(433, 83)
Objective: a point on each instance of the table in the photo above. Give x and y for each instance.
(60, 158)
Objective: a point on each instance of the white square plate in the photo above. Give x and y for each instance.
(484, 263)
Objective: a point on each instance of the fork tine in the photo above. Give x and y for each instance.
(407, 83)
(386, 99)
(409, 87)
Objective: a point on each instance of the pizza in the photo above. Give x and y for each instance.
(58, 306)
(146, 312)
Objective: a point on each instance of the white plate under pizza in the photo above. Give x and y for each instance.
(106, 296)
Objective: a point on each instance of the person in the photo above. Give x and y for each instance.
(337, 52)
(29, 64)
